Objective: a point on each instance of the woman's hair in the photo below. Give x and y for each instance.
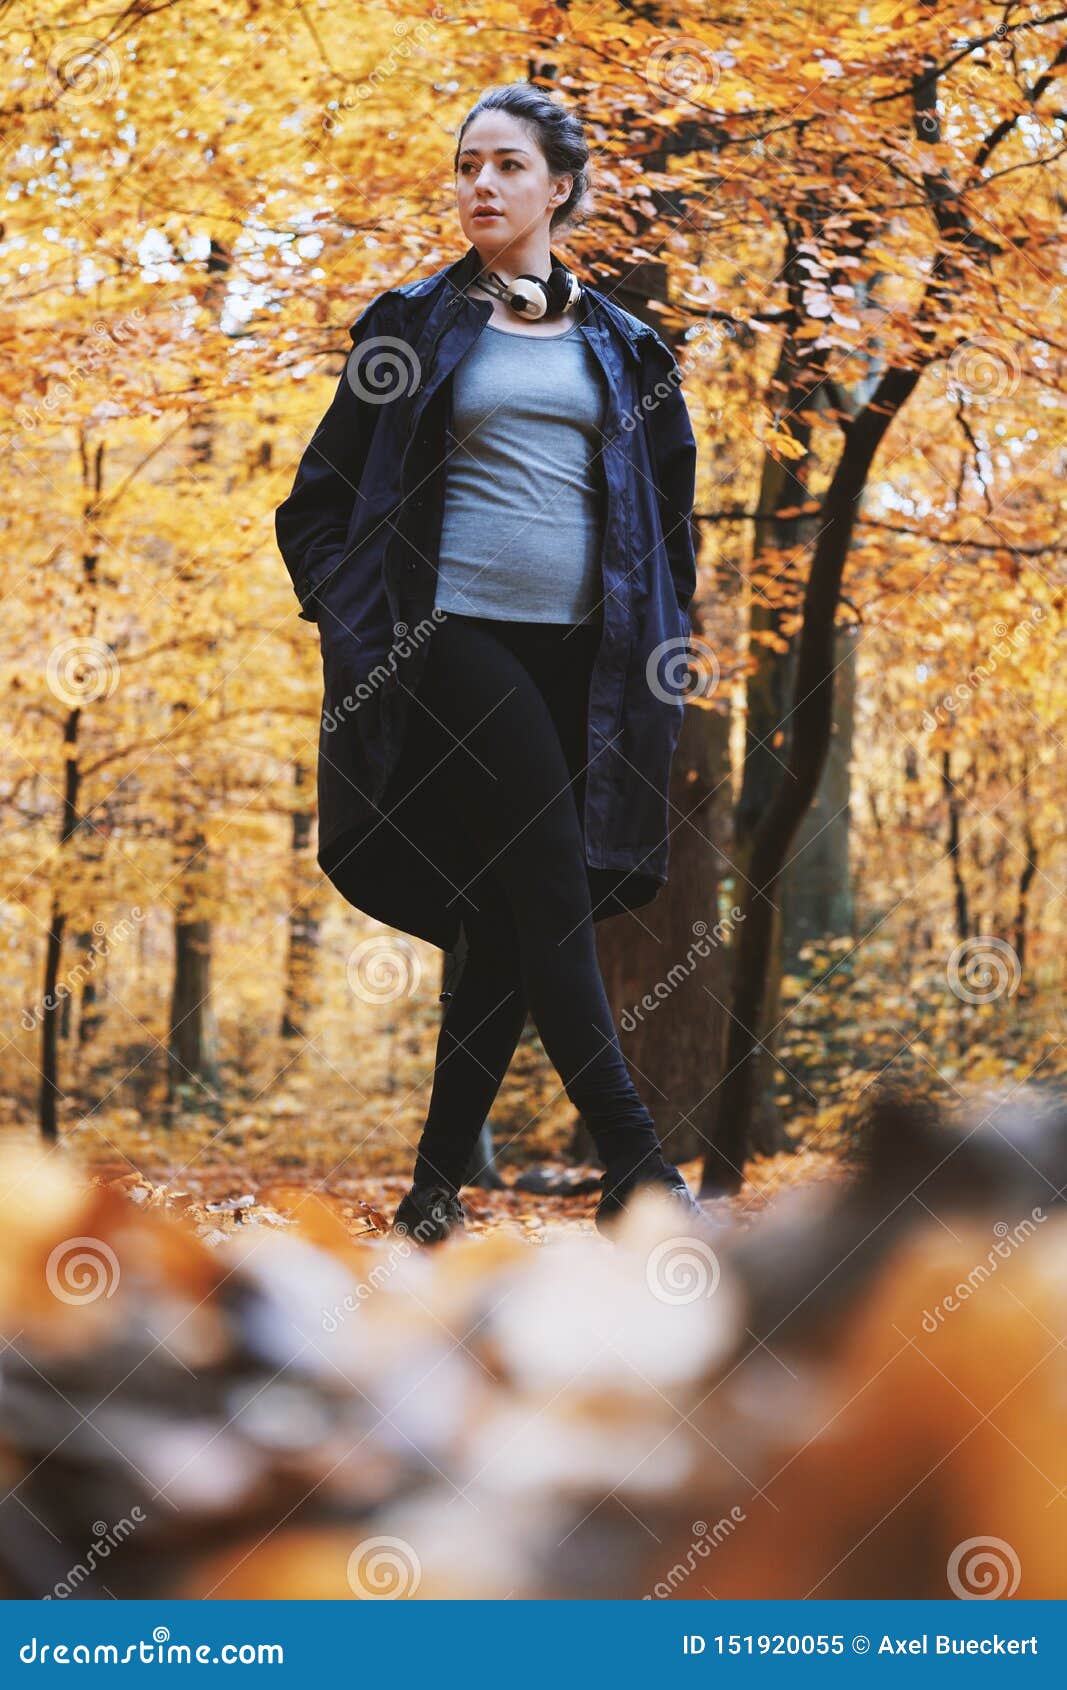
(558, 133)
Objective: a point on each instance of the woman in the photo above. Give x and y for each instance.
(508, 745)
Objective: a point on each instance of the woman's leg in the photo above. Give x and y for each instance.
(479, 1032)
(510, 782)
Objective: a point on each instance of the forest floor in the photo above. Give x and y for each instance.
(217, 1196)
(259, 1165)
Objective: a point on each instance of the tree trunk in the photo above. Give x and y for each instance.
(952, 849)
(665, 967)
(51, 1010)
(817, 900)
(92, 481)
(767, 719)
(302, 949)
(811, 721)
(1029, 869)
(192, 1048)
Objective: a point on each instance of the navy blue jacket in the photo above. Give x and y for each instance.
(359, 533)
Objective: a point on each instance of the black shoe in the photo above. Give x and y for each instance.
(664, 1176)
(429, 1214)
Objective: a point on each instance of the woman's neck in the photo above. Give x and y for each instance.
(530, 258)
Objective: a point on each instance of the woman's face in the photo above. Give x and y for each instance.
(502, 167)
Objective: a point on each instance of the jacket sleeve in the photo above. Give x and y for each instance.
(673, 453)
(312, 522)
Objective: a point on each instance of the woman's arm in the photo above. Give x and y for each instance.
(673, 451)
(311, 524)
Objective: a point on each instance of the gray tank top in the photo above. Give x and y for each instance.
(523, 510)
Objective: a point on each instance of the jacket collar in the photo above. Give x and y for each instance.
(594, 308)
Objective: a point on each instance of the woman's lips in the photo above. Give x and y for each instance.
(480, 214)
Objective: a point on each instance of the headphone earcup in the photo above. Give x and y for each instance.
(528, 297)
(561, 289)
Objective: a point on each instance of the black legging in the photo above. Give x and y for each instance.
(500, 717)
